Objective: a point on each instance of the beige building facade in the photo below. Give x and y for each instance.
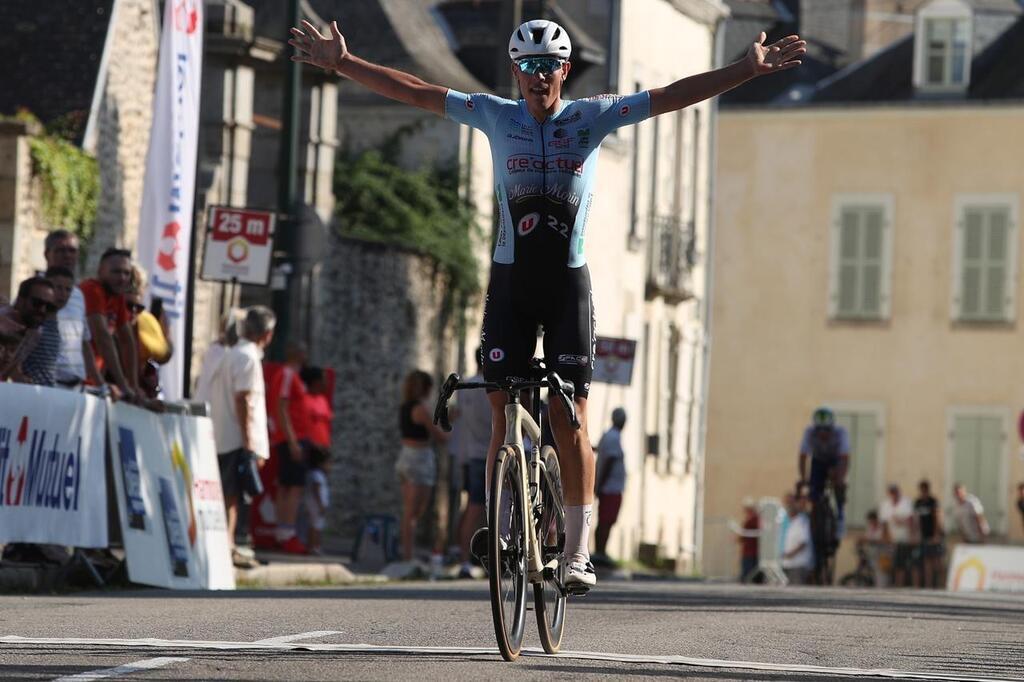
(866, 259)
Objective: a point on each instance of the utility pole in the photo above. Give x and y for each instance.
(511, 17)
(288, 194)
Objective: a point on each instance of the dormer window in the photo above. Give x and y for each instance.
(943, 46)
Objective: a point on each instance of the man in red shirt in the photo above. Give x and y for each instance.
(290, 443)
(318, 406)
(108, 319)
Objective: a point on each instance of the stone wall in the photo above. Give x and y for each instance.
(383, 315)
(122, 125)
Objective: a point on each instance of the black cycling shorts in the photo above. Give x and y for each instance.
(521, 305)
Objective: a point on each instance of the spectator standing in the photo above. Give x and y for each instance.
(291, 445)
(874, 547)
(152, 334)
(797, 550)
(1020, 501)
(113, 338)
(969, 516)
(317, 406)
(75, 362)
(749, 540)
(417, 463)
(471, 436)
(19, 326)
(317, 496)
(238, 410)
(41, 364)
(611, 483)
(227, 336)
(896, 513)
(929, 524)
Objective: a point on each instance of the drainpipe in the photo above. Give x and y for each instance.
(698, 517)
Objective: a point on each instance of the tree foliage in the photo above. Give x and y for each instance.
(421, 210)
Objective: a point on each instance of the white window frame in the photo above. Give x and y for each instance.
(1002, 526)
(876, 409)
(887, 203)
(961, 202)
(955, 10)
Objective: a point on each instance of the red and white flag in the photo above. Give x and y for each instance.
(165, 222)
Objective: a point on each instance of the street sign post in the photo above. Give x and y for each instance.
(613, 361)
(239, 243)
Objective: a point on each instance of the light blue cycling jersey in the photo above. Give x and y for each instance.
(544, 172)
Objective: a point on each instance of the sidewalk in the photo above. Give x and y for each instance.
(281, 569)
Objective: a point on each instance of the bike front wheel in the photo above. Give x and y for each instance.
(549, 594)
(507, 553)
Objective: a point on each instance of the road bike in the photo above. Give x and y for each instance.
(824, 535)
(526, 513)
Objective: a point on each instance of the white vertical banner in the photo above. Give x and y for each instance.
(165, 222)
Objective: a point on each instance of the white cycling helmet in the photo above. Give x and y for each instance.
(539, 38)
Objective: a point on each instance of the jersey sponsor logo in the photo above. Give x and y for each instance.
(569, 119)
(560, 144)
(496, 355)
(560, 133)
(606, 96)
(522, 163)
(584, 137)
(469, 104)
(527, 223)
(624, 110)
(521, 138)
(570, 359)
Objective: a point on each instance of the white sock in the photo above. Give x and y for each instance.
(577, 532)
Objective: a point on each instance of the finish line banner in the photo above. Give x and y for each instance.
(169, 499)
(53, 485)
(165, 221)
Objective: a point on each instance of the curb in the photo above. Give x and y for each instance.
(301, 574)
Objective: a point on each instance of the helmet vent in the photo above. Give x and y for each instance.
(558, 32)
(538, 35)
(520, 34)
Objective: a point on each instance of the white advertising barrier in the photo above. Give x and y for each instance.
(986, 568)
(196, 471)
(172, 521)
(53, 486)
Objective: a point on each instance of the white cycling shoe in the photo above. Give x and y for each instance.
(579, 576)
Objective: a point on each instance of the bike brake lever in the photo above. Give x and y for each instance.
(565, 391)
(441, 409)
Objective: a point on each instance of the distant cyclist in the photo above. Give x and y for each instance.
(544, 150)
(825, 456)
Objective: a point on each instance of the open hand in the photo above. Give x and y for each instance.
(781, 55)
(314, 48)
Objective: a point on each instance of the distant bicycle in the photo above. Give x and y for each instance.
(864, 574)
(526, 517)
(824, 535)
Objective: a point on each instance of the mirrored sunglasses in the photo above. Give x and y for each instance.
(535, 65)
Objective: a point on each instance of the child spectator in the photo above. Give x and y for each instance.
(317, 405)
(318, 496)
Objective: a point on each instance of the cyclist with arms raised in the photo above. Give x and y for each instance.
(545, 152)
(825, 448)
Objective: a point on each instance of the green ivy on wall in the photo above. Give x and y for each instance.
(70, 177)
(421, 210)
(71, 184)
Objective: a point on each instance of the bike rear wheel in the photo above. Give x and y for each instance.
(506, 556)
(549, 595)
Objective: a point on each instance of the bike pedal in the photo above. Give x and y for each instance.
(577, 590)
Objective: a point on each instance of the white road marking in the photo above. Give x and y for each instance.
(127, 669)
(488, 651)
(283, 639)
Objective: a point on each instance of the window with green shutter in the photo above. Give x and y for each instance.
(863, 487)
(978, 453)
(861, 258)
(986, 255)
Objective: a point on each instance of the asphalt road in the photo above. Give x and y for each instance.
(427, 631)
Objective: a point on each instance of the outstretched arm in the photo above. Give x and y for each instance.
(760, 60)
(331, 54)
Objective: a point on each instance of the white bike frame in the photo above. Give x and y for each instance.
(517, 420)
